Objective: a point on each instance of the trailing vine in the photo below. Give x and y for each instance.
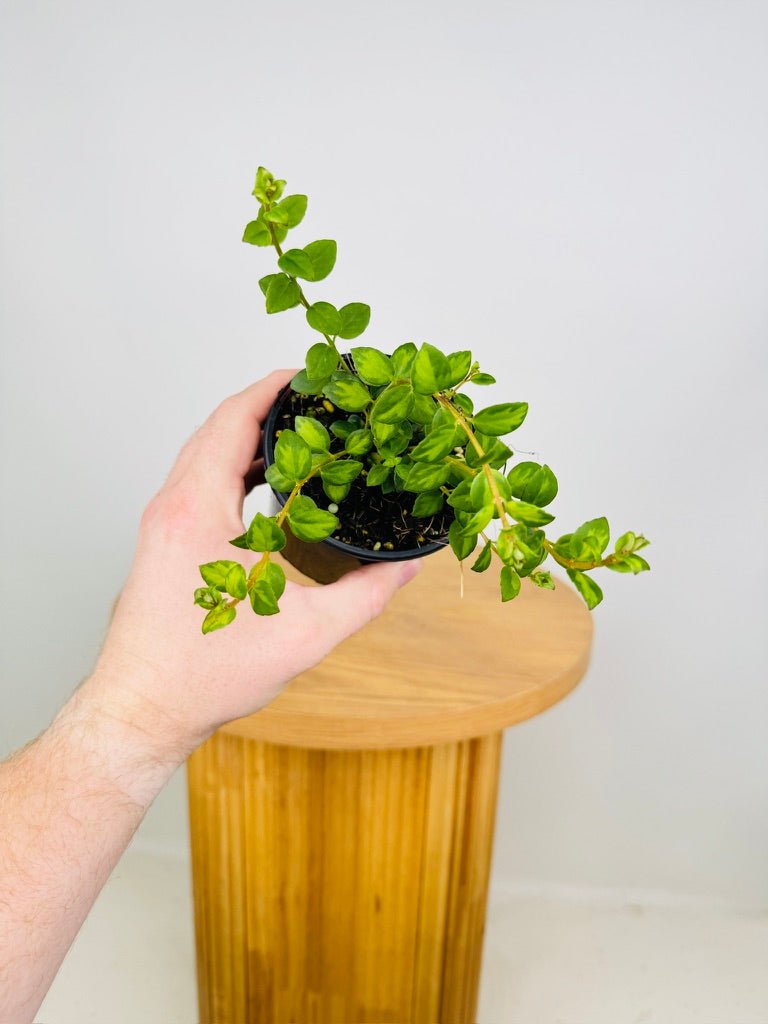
(406, 426)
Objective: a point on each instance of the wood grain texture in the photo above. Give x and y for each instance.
(340, 887)
(435, 667)
(342, 837)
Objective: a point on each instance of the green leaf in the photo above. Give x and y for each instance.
(435, 446)
(529, 514)
(264, 534)
(460, 473)
(355, 317)
(267, 189)
(522, 547)
(428, 503)
(474, 522)
(321, 361)
(501, 419)
(459, 364)
(484, 379)
(277, 480)
(308, 522)
(461, 544)
(264, 282)
(464, 402)
(241, 541)
(483, 560)
(502, 485)
(625, 543)
(235, 582)
(591, 539)
(533, 483)
(282, 293)
(480, 493)
(208, 597)
(382, 432)
(421, 409)
(343, 471)
(347, 392)
(219, 617)
(587, 587)
(392, 404)
(442, 418)
(460, 497)
(215, 573)
(426, 476)
(288, 213)
(343, 428)
(313, 432)
(267, 589)
(629, 563)
(297, 263)
(630, 542)
(373, 366)
(377, 474)
(304, 385)
(402, 359)
(322, 258)
(275, 576)
(431, 370)
(262, 598)
(293, 456)
(257, 233)
(358, 442)
(324, 317)
(505, 545)
(496, 452)
(402, 469)
(562, 545)
(335, 492)
(543, 580)
(510, 583)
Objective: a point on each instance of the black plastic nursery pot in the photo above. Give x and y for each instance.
(329, 559)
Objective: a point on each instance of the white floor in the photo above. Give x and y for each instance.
(547, 961)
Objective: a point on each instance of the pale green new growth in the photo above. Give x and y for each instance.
(406, 426)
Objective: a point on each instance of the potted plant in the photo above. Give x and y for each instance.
(377, 455)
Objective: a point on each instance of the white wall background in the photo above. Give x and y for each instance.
(576, 191)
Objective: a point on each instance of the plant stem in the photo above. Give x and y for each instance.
(460, 465)
(302, 297)
(574, 563)
(461, 420)
(567, 563)
(281, 515)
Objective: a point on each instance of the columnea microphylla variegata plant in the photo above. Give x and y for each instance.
(403, 423)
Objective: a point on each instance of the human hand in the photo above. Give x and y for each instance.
(157, 669)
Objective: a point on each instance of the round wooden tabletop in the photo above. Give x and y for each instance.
(436, 667)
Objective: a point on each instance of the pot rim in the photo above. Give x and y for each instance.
(366, 554)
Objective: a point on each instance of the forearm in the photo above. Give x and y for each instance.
(69, 804)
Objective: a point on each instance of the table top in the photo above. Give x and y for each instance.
(435, 667)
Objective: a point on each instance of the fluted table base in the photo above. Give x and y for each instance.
(341, 886)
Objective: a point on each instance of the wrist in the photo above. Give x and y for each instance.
(122, 737)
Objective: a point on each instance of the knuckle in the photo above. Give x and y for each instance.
(171, 511)
(152, 512)
(226, 409)
(376, 595)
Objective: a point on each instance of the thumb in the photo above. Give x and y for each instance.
(353, 601)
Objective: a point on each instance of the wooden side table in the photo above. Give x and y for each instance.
(342, 837)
